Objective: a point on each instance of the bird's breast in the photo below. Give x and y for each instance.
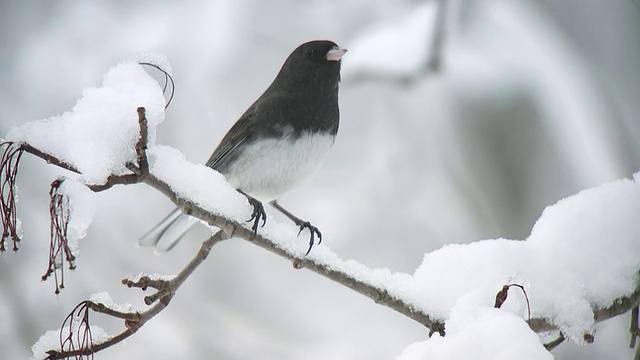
(267, 168)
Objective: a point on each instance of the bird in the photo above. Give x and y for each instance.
(277, 143)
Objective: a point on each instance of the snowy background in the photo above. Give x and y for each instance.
(535, 102)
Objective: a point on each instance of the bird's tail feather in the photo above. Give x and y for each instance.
(168, 232)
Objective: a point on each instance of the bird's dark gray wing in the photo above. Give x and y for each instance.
(237, 135)
(264, 117)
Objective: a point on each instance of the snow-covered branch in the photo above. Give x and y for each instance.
(346, 273)
(457, 283)
(229, 228)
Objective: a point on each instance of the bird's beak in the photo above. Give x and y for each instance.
(335, 54)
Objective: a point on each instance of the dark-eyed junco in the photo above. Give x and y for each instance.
(278, 142)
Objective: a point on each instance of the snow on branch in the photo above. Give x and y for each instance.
(104, 143)
(183, 183)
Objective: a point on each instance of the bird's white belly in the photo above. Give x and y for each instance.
(269, 168)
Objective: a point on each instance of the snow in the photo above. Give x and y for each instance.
(157, 59)
(105, 299)
(98, 135)
(603, 223)
(479, 332)
(581, 254)
(51, 341)
(136, 278)
(19, 231)
(81, 205)
(206, 187)
(563, 284)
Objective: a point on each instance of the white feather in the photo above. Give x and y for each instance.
(174, 232)
(169, 231)
(268, 168)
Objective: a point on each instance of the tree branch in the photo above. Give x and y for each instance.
(618, 307)
(135, 320)
(557, 341)
(633, 329)
(139, 171)
(234, 229)
(379, 295)
(166, 289)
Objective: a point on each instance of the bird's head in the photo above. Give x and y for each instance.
(314, 62)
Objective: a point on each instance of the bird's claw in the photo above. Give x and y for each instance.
(257, 215)
(313, 230)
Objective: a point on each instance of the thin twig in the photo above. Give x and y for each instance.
(59, 250)
(633, 329)
(50, 159)
(167, 79)
(9, 162)
(141, 145)
(553, 344)
(501, 297)
(135, 320)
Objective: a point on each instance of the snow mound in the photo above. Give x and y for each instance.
(98, 135)
(480, 332)
(564, 285)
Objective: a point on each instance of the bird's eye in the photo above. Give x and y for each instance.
(308, 53)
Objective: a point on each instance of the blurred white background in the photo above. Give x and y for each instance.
(535, 101)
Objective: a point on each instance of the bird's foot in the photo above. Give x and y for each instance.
(313, 230)
(257, 215)
(302, 225)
